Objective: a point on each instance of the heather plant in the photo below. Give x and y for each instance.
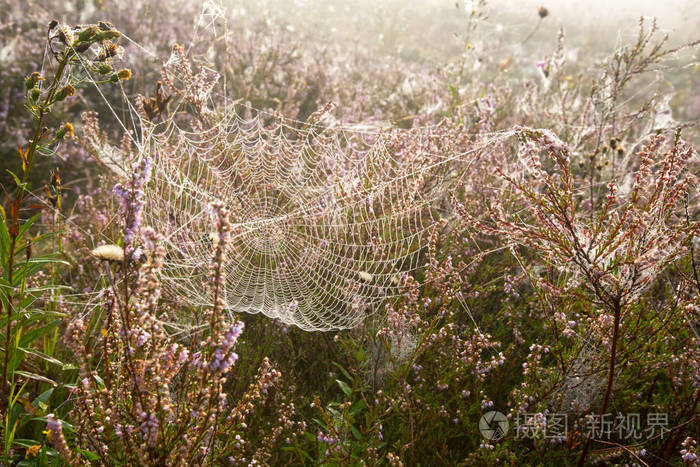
(600, 259)
(267, 68)
(143, 398)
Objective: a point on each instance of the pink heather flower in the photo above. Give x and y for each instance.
(53, 425)
(131, 198)
(182, 356)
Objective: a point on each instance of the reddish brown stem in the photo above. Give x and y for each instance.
(10, 267)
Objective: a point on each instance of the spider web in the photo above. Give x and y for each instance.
(327, 223)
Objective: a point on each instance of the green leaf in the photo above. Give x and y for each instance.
(24, 227)
(34, 265)
(41, 401)
(17, 180)
(344, 387)
(358, 407)
(15, 358)
(36, 377)
(10, 434)
(100, 382)
(310, 437)
(34, 334)
(342, 370)
(64, 366)
(44, 396)
(301, 452)
(45, 288)
(91, 456)
(28, 463)
(4, 240)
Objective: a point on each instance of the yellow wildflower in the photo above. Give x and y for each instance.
(124, 74)
(32, 451)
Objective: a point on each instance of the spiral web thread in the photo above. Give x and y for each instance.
(327, 223)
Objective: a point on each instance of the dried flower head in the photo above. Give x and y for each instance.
(104, 68)
(32, 80)
(66, 129)
(105, 35)
(110, 49)
(65, 91)
(88, 33)
(124, 74)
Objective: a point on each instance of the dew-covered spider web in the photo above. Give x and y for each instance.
(327, 223)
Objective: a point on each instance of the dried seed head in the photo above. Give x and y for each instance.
(32, 80)
(543, 12)
(65, 91)
(88, 33)
(110, 50)
(81, 47)
(65, 35)
(104, 68)
(106, 35)
(66, 129)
